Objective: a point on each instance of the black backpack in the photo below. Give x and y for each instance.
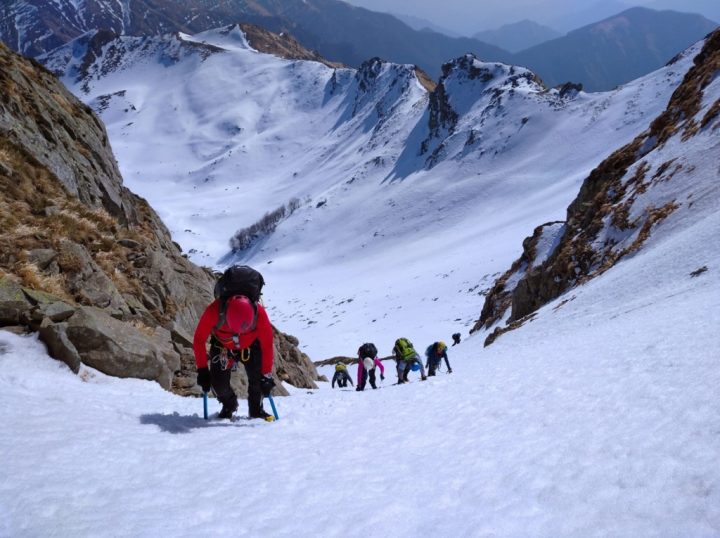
(238, 280)
(367, 350)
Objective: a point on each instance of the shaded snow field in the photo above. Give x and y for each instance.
(599, 418)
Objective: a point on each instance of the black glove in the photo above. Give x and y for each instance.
(203, 379)
(266, 384)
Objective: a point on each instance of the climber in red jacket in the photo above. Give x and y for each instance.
(242, 333)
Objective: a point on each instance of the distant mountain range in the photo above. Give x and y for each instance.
(418, 23)
(339, 31)
(707, 8)
(566, 20)
(518, 36)
(615, 50)
(599, 56)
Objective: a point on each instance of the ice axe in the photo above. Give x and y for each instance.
(205, 413)
(272, 404)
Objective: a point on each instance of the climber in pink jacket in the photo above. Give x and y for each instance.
(367, 362)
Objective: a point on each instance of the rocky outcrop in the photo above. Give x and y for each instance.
(536, 249)
(623, 200)
(463, 82)
(381, 85)
(13, 303)
(85, 262)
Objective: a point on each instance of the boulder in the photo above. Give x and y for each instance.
(116, 348)
(58, 311)
(55, 337)
(49, 306)
(90, 285)
(42, 257)
(163, 340)
(291, 365)
(13, 302)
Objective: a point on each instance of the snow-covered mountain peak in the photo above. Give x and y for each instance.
(469, 93)
(488, 76)
(100, 53)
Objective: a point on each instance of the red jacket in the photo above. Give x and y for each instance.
(263, 332)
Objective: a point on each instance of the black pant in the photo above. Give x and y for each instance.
(220, 371)
(364, 376)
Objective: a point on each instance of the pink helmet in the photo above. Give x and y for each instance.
(240, 314)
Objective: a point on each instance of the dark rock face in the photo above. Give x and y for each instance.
(64, 135)
(83, 260)
(502, 294)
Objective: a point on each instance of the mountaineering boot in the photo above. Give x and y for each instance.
(228, 409)
(263, 415)
(423, 378)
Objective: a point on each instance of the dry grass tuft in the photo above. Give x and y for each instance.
(70, 263)
(31, 277)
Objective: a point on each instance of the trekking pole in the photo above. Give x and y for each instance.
(272, 404)
(205, 413)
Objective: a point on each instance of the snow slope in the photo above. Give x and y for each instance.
(396, 218)
(600, 417)
(597, 419)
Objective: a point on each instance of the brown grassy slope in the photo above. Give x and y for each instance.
(283, 45)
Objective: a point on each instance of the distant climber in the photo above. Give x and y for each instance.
(240, 331)
(456, 339)
(367, 364)
(341, 376)
(406, 356)
(434, 353)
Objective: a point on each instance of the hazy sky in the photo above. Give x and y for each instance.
(469, 16)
